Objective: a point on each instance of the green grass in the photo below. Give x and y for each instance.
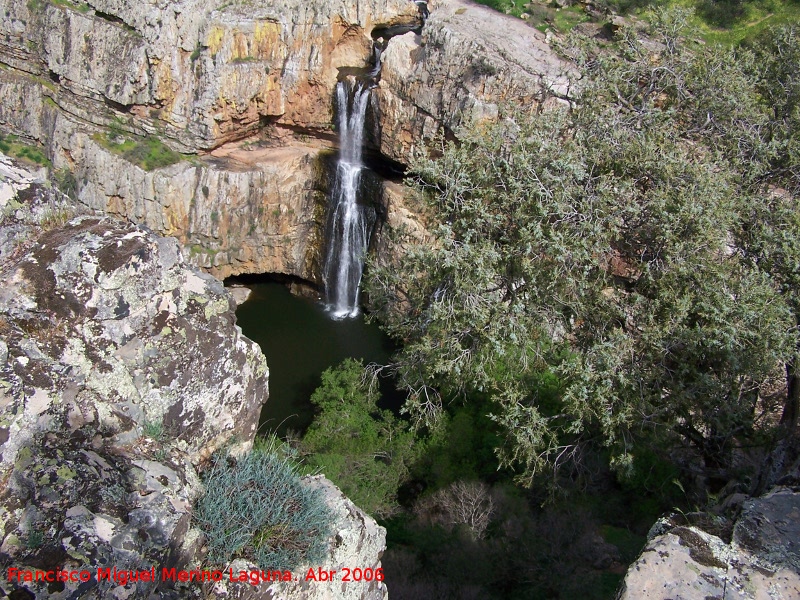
(567, 18)
(757, 17)
(154, 430)
(726, 22)
(10, 145)
(541, 16)
(510, 7)
(79, 6)
(256, 507)
(149, 153)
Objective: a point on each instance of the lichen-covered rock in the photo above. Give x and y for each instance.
(468, 62)
(762, 560)
(358, 545)
(120, 369)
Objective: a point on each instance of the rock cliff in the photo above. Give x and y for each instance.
(112, 87)
(758, 557)
(199, 72)
(121, 371)
(467, 64)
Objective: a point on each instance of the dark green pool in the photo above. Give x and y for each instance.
(300, 340)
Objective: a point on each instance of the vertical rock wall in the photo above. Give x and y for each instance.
(222, 82)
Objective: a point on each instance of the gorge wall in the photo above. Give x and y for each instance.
(244, 90)
(121, 371)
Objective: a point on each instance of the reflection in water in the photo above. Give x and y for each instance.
(300, 340)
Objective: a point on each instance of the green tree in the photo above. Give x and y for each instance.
(770, 234)
(594, 247)
(364, 450)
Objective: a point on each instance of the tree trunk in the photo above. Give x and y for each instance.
(791, 410)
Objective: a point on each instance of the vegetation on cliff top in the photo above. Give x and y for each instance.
(725, 21)
(256, 507)
(639, 251)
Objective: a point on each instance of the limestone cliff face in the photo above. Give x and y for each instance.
(222, 81)
(200, 72)
(121, 370)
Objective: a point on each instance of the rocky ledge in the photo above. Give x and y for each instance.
(121, 371)
(757, 556)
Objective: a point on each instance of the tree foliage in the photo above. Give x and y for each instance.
(624, 248)
(364, 450)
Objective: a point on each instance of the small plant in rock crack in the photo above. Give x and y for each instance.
(256, 507)
(154, 430)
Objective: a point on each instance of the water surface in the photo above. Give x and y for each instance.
(300, 341)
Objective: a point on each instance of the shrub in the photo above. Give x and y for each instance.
(149, 153)
(12, 146)
(257, 508)
(364, 450)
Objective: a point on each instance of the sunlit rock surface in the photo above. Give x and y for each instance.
(121, 371)
(245, 89)
(469, 62)
(761, 561)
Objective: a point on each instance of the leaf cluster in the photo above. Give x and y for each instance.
(256, 507)
(364, 450)
(604, 247)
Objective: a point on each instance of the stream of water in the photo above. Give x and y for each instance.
(350, 222)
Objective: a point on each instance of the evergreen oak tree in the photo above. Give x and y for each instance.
(636, 251)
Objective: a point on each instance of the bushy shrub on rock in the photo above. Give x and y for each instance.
(258, 508)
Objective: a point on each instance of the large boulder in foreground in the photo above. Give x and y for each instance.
(762, 559)
(121, 371)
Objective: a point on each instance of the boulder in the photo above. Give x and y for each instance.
(121, 371)
(469, 62)
(761, 560)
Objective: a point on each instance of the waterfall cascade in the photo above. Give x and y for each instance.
(350, 223)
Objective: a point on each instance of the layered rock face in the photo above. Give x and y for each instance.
(761, 560)
(121, 371)
(246, 88)
(202, 72)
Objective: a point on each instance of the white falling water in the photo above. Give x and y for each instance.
(350, 224)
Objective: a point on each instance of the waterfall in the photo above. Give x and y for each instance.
(350, 223)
